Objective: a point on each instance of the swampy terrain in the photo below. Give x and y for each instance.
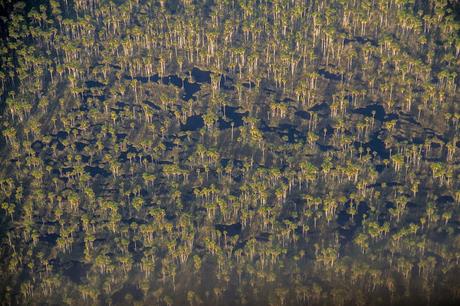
(251, 152)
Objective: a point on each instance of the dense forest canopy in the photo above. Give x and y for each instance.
(250, 152)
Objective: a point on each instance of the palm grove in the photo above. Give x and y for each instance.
(199, 152)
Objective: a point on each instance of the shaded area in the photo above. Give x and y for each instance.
(231, 116)
(92, 84)
(373, 110)
(193, 123)
(93, 171)
(190, 89)
(231, 229)
(377, 145)
(329, 75)
(201, 76)
(76, 271)
(303, 114)
(347, 225)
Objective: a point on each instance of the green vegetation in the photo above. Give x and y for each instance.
(251, 152)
